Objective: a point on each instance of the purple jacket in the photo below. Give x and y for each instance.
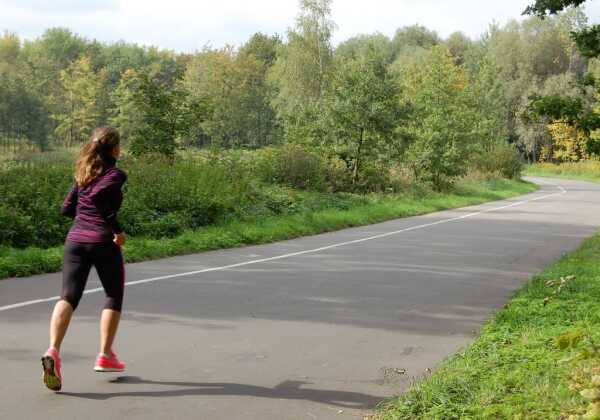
(95, 207)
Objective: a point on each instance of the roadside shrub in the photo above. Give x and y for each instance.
(30, 199)
(503, 160)
(166, 196)
(338, 175)
(291, 165)
(401, 178)
(374, 177)
(163, 198)
(587, 169)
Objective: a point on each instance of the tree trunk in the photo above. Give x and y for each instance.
(357, 161)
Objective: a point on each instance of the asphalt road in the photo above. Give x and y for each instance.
(322, 327)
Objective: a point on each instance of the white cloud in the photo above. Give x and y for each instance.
(189, 25)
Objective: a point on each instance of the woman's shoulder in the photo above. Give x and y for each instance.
(115, 174)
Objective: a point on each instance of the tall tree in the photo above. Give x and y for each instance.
(153, 114)
(23, 120)
(233, 86)
(128, 116)
(10, 48)
(409, 39)
(560, 108)
(458, 44)
(302, 72)
(263, 47)
(441, 127)
(43, 60)
(360, 44)
(78, 105)
(587, 38)
(364, 107)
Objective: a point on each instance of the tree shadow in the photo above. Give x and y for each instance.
(286, 390)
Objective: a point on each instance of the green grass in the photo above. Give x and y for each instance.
(585, 171)
(379, 207)
(513, 369)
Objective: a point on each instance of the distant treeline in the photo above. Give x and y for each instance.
(433, 104)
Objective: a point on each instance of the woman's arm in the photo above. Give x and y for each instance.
(109, 198)
(69, 207)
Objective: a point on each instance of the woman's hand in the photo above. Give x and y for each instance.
(119, 238)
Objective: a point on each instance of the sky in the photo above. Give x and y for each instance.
(187, 26)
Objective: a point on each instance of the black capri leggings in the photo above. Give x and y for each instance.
(108, 260)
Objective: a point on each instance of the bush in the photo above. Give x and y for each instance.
(291, 165)
(30, 197)
(163, 198)
(338, 175)
(503, 160)
(374, 177)
(166, 196)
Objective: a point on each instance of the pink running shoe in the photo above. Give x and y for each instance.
(108, 364)
(51, 365)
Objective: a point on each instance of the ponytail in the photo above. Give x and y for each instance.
(95, 155)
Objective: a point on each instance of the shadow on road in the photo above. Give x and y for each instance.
(286, 390)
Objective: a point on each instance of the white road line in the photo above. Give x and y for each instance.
(294, 254)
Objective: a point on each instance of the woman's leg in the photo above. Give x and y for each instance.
(110, 268)
(61, 317)
(109, 322)
(76, 268)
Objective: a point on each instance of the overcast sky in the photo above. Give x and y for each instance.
(187, 25)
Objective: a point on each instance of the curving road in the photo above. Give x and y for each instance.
(322, 327)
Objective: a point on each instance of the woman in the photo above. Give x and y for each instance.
(95, 239)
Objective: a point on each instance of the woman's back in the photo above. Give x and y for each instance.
(95, 206)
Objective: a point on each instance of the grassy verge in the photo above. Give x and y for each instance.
(585, 171)
(24, 262)
(514, 369)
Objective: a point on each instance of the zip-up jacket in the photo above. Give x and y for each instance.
(95, 207)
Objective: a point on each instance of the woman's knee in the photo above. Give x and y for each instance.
(114, 303)
(72, 299)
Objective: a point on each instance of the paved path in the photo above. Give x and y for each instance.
(321, 327)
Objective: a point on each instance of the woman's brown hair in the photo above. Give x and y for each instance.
(95, 155)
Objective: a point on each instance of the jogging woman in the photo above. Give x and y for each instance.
(95, 239)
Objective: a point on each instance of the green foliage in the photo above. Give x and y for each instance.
(30, 197)
(557, 108)
(22, 115)
(153, 113)
(128, 115)
(273, 213)
(525, 56)
(78, 111)
(561, 108)
(360, 45)
(459, 45)
(570, 339)
(363, 108)
(164, 198)
(291, 165)
(588, 41)
(514, 369)
(233, 87)
(585, 170)
(262, 47)
(440, 128)
(54, 89)
(502, 160)
(302, 72)
(544, 7)
(413, 37)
